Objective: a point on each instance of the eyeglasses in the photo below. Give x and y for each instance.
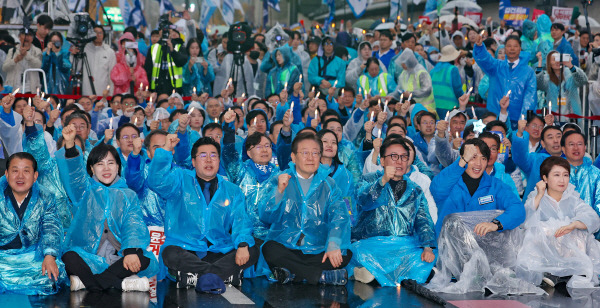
(307, 153)
(204, 156)
(328, 44)
(127, 137)
(395, 157)
(494, 149)
(535, 126)
(129, 104)
(261, 147)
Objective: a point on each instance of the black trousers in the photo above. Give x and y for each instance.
(110, 278)
(304, 266)
(222, 265)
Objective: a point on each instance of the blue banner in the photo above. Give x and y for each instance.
(358, 7)
(515, 15)
(503, 4)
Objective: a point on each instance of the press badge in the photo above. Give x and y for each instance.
(486, 199)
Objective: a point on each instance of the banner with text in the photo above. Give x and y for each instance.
(476, 17)
(515, 15)
(562, 14)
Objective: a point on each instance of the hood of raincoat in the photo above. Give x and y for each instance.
(529, 29)
(344, 39)
(286, 52)
(408, 57)
(543, 24)
(415, 110)
(455, 34)
(500, 47)
(121, 53)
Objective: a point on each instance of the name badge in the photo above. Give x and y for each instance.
(486, 199)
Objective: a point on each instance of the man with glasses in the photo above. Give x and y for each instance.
(394, 221)
(584, 175)
(328, 70)
(207, 229)
(310, 225)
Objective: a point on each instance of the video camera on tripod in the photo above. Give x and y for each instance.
(165, 26)
(81, 32)
(239, 43)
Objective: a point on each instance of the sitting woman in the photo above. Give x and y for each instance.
(107, 239)
(337, 171)
(559, 232)
(393, 221)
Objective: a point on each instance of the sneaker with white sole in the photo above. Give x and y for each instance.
(186, 280)
(363, 275)
(76, 283)
(135, 284)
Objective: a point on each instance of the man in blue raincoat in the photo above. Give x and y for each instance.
(512, 74)
(310, 225)
(327, 70)
(207, 229)
(394, 221)
(584, 175)
(31, 231)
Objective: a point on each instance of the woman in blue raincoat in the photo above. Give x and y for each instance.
(198, 73)
(107, 240)
(394, 221)
(29, 240)
(375, 81)
(56, 64)
(337, 171)
(284, 75)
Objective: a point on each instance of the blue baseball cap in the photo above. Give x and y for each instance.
(210, 283)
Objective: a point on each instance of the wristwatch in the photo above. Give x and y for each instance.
(498, 223)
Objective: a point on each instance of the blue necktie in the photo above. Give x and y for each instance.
(511, 65)
(206, 192)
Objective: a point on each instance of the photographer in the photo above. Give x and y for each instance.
(164, 64)
(226, 60)
(128, 73)
(56, 64)
(101, 59)
(22, 57)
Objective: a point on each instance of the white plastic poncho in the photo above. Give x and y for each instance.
(576, 253)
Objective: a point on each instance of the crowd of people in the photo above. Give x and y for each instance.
(320, 157)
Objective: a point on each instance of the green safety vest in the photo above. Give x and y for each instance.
(442, 89)
(284, 77)
(176, 72)
(381, 84)
(427, 102)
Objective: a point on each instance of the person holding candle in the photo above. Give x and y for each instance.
(208, 233)
(415, 81)
(327, 69)
(374, 81)
(284, 74)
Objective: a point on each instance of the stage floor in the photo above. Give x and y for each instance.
(259, 292)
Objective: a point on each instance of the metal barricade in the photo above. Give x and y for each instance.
(31, 70)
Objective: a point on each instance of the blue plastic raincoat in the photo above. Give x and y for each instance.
(41, 234)
(58, 69)
(93, 204)
(189, 221)
(335, 71)
(347, 185)
(573, 80)
(35, 144)
(391, 235)
(279, 76)
(320, 215)
(521, 81)
(136, 177)
(197, 78)
(586, 179)
(529, 163)
(452, 196)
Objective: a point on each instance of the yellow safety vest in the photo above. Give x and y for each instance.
(428, 101)
(176, 72)
(381, 84)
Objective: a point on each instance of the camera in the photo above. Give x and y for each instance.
(165, 25)
(239, 38)
(81, 30)
(565, 57)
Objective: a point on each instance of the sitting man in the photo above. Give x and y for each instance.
(310, 225)
(394, 221)
(29, 242)
(474, 209)
(207, 229)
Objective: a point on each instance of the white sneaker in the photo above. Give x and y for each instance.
(135, 283)
(76, 283)
(363, 275)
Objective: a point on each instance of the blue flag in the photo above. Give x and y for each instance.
(274, 4)
(228, 11)
(165, 6)
(265, 13)
(132, 15)
(329, 20)
(206, 12)
(358, 7)
(503, 4)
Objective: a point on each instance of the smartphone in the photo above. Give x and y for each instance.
(177, 14)
(133, 45)
(199, 59)
(565, 57)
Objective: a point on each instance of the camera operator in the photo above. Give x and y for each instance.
(20, 58)
(101, 59)
(225, 61)
(165, 61)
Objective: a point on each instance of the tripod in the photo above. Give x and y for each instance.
(165, 73)
(80, 62)
(238, 63)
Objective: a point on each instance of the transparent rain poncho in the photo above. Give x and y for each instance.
(575, 254)
(391, 235)
(478, 262)
(189, 221)
(93, 204)
(313, 223)
(35, 144)
(41, 234)
(136, 176)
